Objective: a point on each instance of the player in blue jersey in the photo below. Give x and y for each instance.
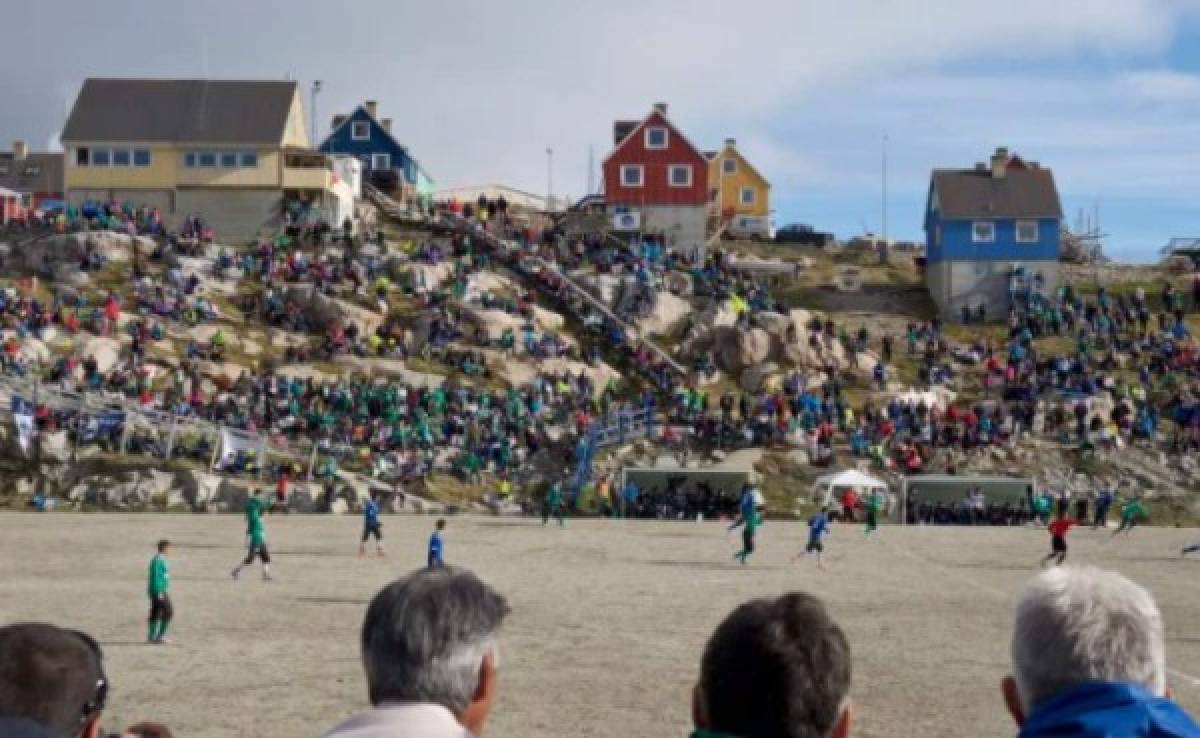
(372, 526)
(436, 560)
(818, 528)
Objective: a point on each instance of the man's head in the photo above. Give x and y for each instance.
(164, 547)
(776, 669)
(441, 524)
(52, 676)
(1076, 625)
(431, 637)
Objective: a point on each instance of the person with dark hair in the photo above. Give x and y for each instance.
(158, 581)
(53, 685)
(436, 555)
(775, 668)
(429, 649)
(256, 538)
(371, 525)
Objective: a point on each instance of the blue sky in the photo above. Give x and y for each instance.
(1105, 92)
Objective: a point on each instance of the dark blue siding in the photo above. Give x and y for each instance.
(342, 141)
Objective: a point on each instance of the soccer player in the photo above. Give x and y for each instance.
(371, 525)
(1130, 512)
(554, 505)
(158, 581)
(435, 560)
(874, 503)
(1058, 539)
(818, 528)
(256, 538)
(751, 519)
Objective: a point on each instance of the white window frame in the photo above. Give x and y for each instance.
(354, 129)
(747, 189)
(641, 177)
(728, 166)
(671, 175)
(1027, 223)
(976, 236)
(202, 155)
(125, 154)
(248, 160)
(381, 156)
(666, 142)
(149, 158)
(107, 157)
(227, 156)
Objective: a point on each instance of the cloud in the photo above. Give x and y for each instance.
(1162, 85)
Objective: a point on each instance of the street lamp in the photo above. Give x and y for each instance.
(316, 87)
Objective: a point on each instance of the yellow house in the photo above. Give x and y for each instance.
(234, 152)
(737, 190)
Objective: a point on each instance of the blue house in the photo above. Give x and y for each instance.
(991, 235)
(386, 163)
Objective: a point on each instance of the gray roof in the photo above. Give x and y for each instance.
(36, 173)
(181, 110)
(1024, 191)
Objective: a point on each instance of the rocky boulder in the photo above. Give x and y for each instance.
(741, 349)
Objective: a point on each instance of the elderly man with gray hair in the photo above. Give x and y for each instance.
(1089, 660)
(429, 649)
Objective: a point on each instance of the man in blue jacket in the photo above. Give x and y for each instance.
(1089, 660)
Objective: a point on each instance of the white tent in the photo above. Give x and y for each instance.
(829, 486)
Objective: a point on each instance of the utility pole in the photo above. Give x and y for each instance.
(883, 245)
(316, 87)
(591, 169)
(549, 179)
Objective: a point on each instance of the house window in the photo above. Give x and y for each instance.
(82, 156)
(360, 130)
(26, 199)
(1027, 231)
(729, 166)
(141, 157)
(680, 175)
(656, 138)
(101, 157)
(632, 175)
(249, 159)
(206, 159)
(189, 159)
(229, 159)
(120, 157)
(381, 162)
(983, 231)
(748, 195)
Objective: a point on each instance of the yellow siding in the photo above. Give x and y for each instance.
(266, 174)
(159, 175)
(307, 178)
(295, 133)
(729, 186)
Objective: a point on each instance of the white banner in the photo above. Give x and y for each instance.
(22, 411)
(630, 221)
(233, 441)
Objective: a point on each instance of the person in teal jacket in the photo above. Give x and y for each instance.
(158, 582)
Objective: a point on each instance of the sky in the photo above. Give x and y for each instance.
(1104, 92)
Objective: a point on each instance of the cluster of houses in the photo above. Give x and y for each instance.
(238, 153)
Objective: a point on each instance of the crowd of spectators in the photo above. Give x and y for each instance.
(1088, 658)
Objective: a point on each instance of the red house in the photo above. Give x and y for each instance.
(656, 182)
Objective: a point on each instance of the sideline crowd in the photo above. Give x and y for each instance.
(1088, 656)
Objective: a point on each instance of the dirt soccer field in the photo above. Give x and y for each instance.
(609, 618)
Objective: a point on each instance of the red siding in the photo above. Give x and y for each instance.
(656, 162)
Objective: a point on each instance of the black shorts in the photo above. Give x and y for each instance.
(814, 547)
(160, 608)
(748, 539)
(1058, 544)
(259, 550)
(373, 530)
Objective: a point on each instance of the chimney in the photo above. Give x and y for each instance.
(980, 166)
(387, 124)
(999, 163)
(20, 150)
(372, 108)
(731, 143)
(337, 121)
(660, 108)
